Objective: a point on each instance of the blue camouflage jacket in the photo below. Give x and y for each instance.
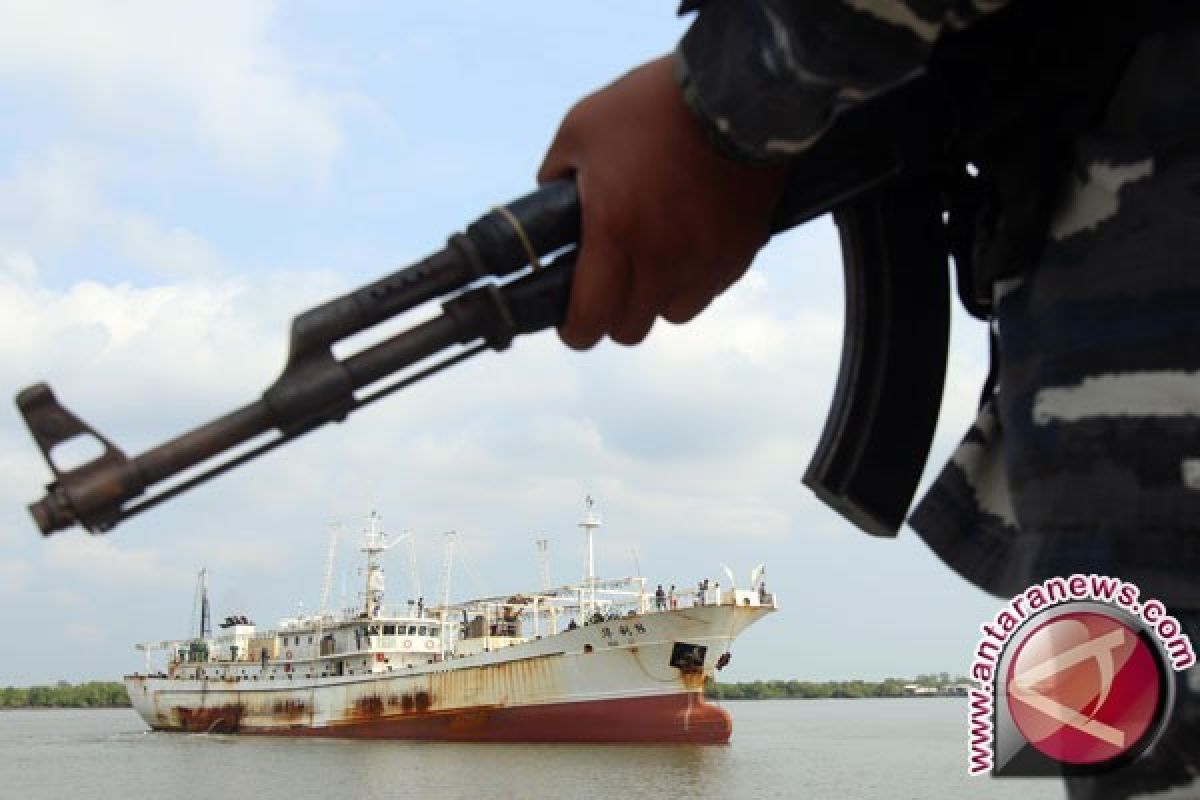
(1086, 455)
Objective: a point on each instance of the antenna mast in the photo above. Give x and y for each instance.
(335, 533)
(447, 563)
(374, 543)
(201, 601)
(591, 521)
(543, 546)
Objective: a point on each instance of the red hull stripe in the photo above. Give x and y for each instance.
(678, 718)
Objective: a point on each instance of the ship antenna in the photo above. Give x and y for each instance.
(591, 521)
(335, 533)
(543, 546)
(447, 564)
(375, 542)
(205, 613)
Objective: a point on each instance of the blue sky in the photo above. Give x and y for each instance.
(178, 180)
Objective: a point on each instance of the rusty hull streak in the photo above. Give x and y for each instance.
(289, 710)
(218, 719)
(370, 705)
(693, 678)
(374, 706)
(410, 701)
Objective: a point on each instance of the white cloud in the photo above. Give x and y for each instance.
(100, 560)
(207, 72)
(18, 266)
(51, 198)
(174, 250)
(155, 355)
(57, 202)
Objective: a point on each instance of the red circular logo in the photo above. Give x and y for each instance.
(1084, 688)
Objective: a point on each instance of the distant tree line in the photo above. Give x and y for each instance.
(889, 687)
(93, 694)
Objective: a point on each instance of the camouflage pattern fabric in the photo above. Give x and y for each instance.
(768, 77)
(1086, 457)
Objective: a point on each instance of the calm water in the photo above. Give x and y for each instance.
(847, 749)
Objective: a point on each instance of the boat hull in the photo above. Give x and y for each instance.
(683, 718)
(576, 686)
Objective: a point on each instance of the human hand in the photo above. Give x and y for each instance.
(668, 223)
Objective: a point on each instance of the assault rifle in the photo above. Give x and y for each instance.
(890, 171)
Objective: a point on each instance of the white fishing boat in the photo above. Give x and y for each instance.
(595, 661)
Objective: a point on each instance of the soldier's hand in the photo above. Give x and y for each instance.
(668, 222)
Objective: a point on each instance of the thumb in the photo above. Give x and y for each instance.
(559, 161)
(556, 165)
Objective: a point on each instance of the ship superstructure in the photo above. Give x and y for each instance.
(599, 660)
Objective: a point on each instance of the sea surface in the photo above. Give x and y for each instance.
(842, 749)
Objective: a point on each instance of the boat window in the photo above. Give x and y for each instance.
(422, 631)
(389, 630)
(412, 630)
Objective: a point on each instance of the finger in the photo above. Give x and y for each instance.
(597, 291)
(734, 271)
(557, 164)
(633, 328)
(694, 298)
(559, 161)
(649, 282)
(685, 307)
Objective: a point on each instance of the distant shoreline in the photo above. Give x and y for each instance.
(941, 685)
(92, 694)
(66, 708)
(864, 697)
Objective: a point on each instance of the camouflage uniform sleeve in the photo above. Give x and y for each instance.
(766, 77)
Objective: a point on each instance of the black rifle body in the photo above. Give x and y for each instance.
(888, 170)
